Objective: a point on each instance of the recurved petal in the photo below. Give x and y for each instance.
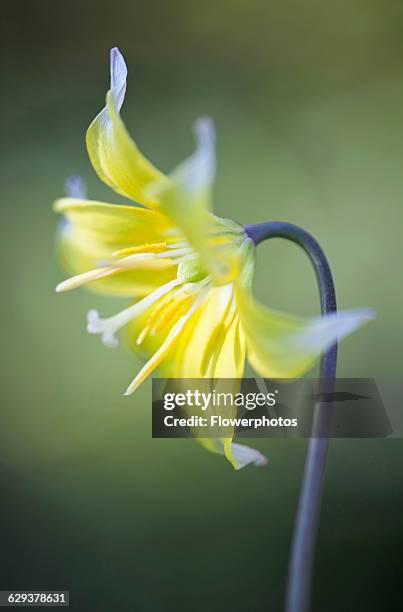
(186, 197)
(75, 187)
(212, 347)
(164, 352)
(114, 155)
(204, 338)
(113, 225)
(78, 257)
(229, 362)
(283, 346)
(93, 231)
(240, 455)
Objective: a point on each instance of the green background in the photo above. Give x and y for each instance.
(308, 104)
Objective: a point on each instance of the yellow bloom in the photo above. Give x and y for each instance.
(190, 271)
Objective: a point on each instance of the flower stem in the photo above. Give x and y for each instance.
(299, 583)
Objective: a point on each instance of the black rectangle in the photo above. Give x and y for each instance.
(249, 407)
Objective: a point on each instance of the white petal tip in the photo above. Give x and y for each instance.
(323, 331)
(75, 187)
(244, 455)
(197, 171)
(117, 60)
(61, 287)
(118, 72)
(349, 321)
(368, 314)
(203, 128)
(133, 386)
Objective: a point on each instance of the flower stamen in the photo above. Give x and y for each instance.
(85, 277)
(169, 312)
(156, 247)
(166, 346)
(107, 328)
(165, 310)
(165, 300)
(152, 259)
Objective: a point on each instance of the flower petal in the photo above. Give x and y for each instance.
(136, 279)
(114, 155)
(213, 347)
(113, 225)
(146, 333)
(186, 198)
(94, 231)
(75, 187)
(109, 327)
(166, 347)
(240, 455)
(204, 336)
(284, 346)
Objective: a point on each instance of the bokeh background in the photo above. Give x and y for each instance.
(308, 103)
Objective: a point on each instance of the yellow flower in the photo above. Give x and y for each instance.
(190, 271)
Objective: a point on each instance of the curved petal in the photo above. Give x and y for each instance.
(75, 187)
(147, 333)
(167, 347)
(108, 327)
(186, 198)
(113, 225)
(114, 155)
(203, 336)
(240, 455)
(228, 362)
(213, 347)
(94, 231)
(284, 346)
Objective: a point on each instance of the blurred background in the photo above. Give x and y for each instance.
(308, 104)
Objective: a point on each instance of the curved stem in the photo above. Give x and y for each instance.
(299, 582)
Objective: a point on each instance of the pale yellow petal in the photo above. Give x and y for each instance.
(114, 155)
(166, 347)
(93, 232)
(285, 346)
(199, 339)
(213, 346)
(146, 266)
(186, 198)
(112, 225)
